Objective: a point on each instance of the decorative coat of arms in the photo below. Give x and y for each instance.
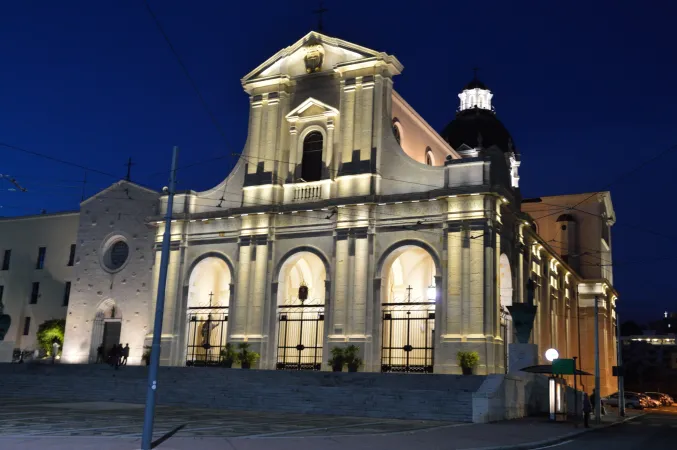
(314, 57)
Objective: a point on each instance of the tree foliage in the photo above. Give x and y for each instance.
(48, 331)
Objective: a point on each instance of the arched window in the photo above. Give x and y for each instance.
(396, 131)
(429, 157)
(311, 164)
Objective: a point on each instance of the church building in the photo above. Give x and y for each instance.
(348, 220)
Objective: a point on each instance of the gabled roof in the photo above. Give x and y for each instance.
(312, 107)
(118, 184)
(337, 52)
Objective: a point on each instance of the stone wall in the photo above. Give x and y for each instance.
(435, 397)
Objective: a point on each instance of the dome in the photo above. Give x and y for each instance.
(476, 124)
(475, 84)
(477, 128)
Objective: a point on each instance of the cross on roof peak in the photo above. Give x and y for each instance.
(320, 11)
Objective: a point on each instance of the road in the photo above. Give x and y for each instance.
(657, 430)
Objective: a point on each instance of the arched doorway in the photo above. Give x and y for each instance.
(300, 304)
(408, 300)
(106, 329)
(208, 302)
(505, 289)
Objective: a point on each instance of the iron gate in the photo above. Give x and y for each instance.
(207, 333)
(408, 337)
(300, 336)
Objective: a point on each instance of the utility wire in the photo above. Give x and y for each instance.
(52, 158)
(185, 71)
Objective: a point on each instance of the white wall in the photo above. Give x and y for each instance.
(24, 236)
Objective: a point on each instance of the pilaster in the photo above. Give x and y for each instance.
(237, 328)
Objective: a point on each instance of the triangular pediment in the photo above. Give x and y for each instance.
(311, 107)
(315, 52)
(124, 185)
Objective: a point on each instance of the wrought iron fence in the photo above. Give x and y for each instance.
(207, 334)
(300, 337)
(408, 337)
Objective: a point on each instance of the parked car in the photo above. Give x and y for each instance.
(665, 399)
(632, 400)
(648, 402)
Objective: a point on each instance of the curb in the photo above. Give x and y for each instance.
(558, 439)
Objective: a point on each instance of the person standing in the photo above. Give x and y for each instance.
(593, 399)
(99, 354)
(117, 355)
(55, 350)
(587, 408)
(125, 354)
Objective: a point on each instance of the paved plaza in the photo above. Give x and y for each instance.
(54, 425)
(32, 418)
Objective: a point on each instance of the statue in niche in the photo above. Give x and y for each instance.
(314, 57)
(206, 332)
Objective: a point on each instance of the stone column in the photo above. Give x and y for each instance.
(271, 132)
(347, 119)
(293, 153)
(490, 310)
(339, 306)
(358, 303)
(258, 282)
(254, 152)
(238, 319)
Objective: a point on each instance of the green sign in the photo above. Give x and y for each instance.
(563, 367)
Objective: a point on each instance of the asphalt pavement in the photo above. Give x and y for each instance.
(657, 430)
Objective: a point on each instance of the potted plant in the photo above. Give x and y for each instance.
(228, 356)
(245, 356)
(146, 355)
(337, 359)
(468, 361)
(351, 359)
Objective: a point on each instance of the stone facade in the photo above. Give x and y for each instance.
(407, 247)
(101, 296)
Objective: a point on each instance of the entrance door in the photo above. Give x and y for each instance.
(111, 335)
(408, 337)
(300, 336)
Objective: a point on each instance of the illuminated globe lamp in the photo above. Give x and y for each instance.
(551, 354)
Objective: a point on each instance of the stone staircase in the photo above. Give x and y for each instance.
(402, 396)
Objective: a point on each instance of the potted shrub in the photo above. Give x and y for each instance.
(351, 359)
(146, 355)
(337, 359)
(468, 361)
(228, 356)
(246, 357)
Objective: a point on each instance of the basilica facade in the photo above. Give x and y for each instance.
(347, 220)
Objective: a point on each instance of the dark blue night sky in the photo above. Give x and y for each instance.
(587, 90)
